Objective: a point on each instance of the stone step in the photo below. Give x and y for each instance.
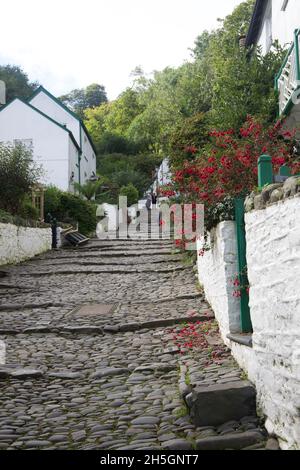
(214, 405)
(236, 441)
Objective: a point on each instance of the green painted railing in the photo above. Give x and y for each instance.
(287, 81)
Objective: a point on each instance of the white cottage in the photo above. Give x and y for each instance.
(280, 20)
(57, 137)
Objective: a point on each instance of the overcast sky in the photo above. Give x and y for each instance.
(66, 44)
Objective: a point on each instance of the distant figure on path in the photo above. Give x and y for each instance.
(148, 202)
(154, 199)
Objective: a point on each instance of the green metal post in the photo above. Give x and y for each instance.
(265, 171)
(246, 325)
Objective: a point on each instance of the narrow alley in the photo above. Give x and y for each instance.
(97, 355)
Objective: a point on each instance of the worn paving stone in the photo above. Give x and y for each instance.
(230, 441)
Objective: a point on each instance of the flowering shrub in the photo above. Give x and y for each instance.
(238, 286)
(227, 166)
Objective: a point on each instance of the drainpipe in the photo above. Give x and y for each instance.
(79, 154)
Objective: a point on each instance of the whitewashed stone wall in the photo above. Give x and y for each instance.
(21, 243)
(273, 257)
(216, 271)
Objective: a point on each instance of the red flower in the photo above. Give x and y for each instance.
(191, 149)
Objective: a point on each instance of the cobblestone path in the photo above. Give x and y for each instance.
(83, 380)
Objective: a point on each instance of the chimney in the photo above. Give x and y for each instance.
(2, 93)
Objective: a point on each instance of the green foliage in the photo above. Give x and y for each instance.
(7, 218)
(28, 211)
(240, 84)
(115, 143)
(18, 174)
(131, 193)
(89, 189)
(181, 412)
(81, 99)
(119, 170)
(17, 82)
(192, 132)
(220, 81)
(69, 208)
(223, 210)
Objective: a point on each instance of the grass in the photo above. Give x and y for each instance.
(244, 375)
(181, 412)
(187, 379)
(199, 286)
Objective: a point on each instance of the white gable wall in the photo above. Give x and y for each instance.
(50, 107)
(47, 105)
(88, 158)
(50, 142)
(279, 24)
(73, 165)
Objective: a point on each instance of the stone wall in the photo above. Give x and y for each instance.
(21, 243)
(216, 270)
(273, 258)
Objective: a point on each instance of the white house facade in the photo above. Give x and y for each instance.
(280, 20)
(274, 20)
(57, 137)
(163, 176)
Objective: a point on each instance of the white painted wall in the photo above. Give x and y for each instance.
(21, 243)
(163, 175)
(50, 107)
(50, 142)
(273, 257)
(73, 165)
(110, 223)
(47, 105)
(216, 271)
(279, 24)
(88, 158)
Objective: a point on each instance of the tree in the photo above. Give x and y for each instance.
(95, 95)
(84, 98)
(108, 124)
(190, 134)
(17, 82)
(239, 85)
(89, 189)
(131, 193)
(18, 174)
(70, 208)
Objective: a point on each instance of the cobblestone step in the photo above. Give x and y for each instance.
(116, 328)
